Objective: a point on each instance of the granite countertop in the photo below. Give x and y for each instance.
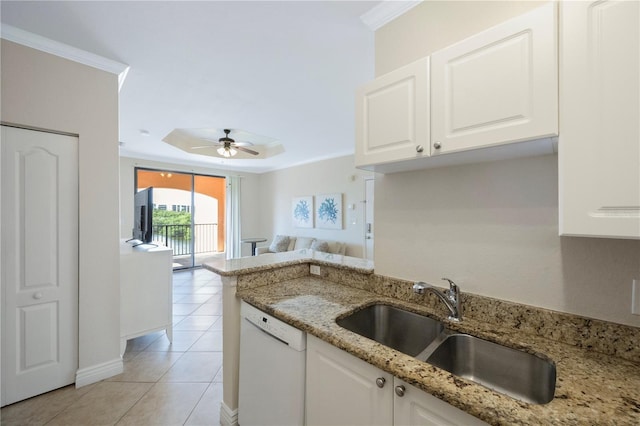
(269, 261)
(591, 388)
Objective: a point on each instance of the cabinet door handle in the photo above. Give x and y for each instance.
(37, 295)
(380, 381)
(419, 148)
(437, 145)
(400, 390)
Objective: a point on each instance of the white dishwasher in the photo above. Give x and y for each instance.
(272, 370)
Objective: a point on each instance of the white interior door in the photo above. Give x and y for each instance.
(368, 218)
(39, 262)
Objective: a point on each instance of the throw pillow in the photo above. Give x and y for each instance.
(303, 243)
(322, 246)
(279, 243)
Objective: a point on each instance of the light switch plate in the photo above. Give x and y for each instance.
(315, 269)
(635, 297)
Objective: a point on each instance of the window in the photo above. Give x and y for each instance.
(193, 237)
(180, 208)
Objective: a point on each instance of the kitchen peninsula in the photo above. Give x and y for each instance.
(598, 363)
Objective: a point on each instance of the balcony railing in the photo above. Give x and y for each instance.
(178, 237)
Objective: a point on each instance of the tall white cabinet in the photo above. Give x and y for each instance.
(599, 147)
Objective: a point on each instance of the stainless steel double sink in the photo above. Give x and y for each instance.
(518, 374)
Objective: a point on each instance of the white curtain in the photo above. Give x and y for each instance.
(233, 218)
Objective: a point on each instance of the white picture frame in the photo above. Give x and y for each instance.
(329, 211)
(302, 212)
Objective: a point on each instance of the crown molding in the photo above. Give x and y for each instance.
(62, 50)
(387, 11)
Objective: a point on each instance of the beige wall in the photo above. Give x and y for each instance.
(249, 194)
(48, 92)
(492, 227)
(278, 188)
(433, 25)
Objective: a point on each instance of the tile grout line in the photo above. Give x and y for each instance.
(64, 409)
(135, 403)
(199, 400)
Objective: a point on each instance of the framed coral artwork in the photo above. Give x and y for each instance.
(302, 212)
(329, 211)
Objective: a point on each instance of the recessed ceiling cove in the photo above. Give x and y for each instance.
(224, 143)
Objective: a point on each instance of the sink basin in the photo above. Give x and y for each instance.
(515, 373)
(518, 374)
(401, 330)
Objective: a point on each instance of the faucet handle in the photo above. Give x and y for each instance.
(454, 290)
(451, 283)
(418, 287)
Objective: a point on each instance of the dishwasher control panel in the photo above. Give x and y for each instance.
(282, 331)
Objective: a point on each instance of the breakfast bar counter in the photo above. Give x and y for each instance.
(592, 387)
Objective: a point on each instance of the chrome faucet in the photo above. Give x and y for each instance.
(451, 298)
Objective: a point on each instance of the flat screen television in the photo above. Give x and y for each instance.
(143, 215)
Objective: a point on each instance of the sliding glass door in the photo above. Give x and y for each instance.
(188, 213)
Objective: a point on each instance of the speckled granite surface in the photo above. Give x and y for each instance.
(269, 261)
(601, 336)
(591, 387)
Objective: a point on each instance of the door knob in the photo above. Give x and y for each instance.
(380, 381)
(437, 145)
(37, 295)
(419, 148)
(400, 390)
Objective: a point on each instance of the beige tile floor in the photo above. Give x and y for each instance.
(162, 383)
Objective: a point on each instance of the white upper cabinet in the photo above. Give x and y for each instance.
(599, 148)
(392, 116)
(496, 87)
(497, 90)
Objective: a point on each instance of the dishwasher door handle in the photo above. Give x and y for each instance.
(266, 332)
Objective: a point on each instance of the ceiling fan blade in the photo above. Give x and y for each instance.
(204, 146)
(242, 143)
(247, 150)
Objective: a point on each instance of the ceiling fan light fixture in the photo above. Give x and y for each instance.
(227, 151)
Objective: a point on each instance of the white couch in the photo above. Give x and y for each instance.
(299, 243)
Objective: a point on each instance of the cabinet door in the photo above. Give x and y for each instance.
(599, 148)
(342, 390)
(497, 87)
(417, 408)
(392, 116)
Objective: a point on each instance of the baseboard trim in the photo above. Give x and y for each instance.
(95, 373)
(228, 417)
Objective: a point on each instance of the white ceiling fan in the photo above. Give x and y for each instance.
(228, 147)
